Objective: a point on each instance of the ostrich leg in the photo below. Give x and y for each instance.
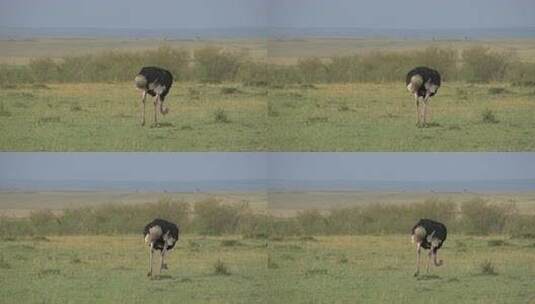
(149, 274)
(421, 111)
(162, 264)
(156, 104)
(143, 98)
(418, 249)
(426, 104)
(429, 260)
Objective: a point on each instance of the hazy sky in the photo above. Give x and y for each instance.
(291, 166)
(146, 14)
(418, 14)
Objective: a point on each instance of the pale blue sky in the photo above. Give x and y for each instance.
(146, 14)
(286, 166)
(417, 14)
(414, 14)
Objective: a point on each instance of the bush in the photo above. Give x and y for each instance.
(482, 218)
(521, 74)
(488, 116)
(117, 218)
(442, 59)
(312, 70)
(214, 65)
(220, 268)
(44, 69)
(254, 74)
(255, 226)
(487, 268)
(521, 226)
(211, 217)
(43, 221)
(480, 64)
(343, 69)
(311, 222)
(221, 116)
(10, 76)
(214, 218)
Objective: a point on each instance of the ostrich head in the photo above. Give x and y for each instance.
(153, 234)
(141, 82)
(415, 83)
(163, 109)
(418, 235)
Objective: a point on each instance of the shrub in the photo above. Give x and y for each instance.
(497, 90)
(229, 90)
(443, 60)
(521, 226)
(443, 211)
(220, 268)
(214, 65)
(254, 74)
(117, 218)
(12, 75)
(311, 222)
(481, 217)
(221, 116)
(256, 226)
(487, 268)
(312, 70)
(488, 116)
(521, 74)
(214, 218)
(44, 69)
(480, 64)
(343, 69)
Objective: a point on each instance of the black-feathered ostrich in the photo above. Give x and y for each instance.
(423, 83)
(430, 235)
(160, 235)
(156, 82)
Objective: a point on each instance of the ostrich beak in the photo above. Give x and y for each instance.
(437, 263)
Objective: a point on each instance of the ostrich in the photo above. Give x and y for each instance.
(155, 82)
(429, 235)
(160, 235)
(423, 83)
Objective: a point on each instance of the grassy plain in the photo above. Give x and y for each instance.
(382, 117)
(280, 269)
(106, 117)
(327, 117)
(337, 269)
(334, 117)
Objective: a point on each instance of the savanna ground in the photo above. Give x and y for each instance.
(106, 117)
(233, 268)
(233, 116)
(337, 269)
(343, 117)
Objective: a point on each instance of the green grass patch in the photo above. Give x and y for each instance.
(361, 117)
(380, 271)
